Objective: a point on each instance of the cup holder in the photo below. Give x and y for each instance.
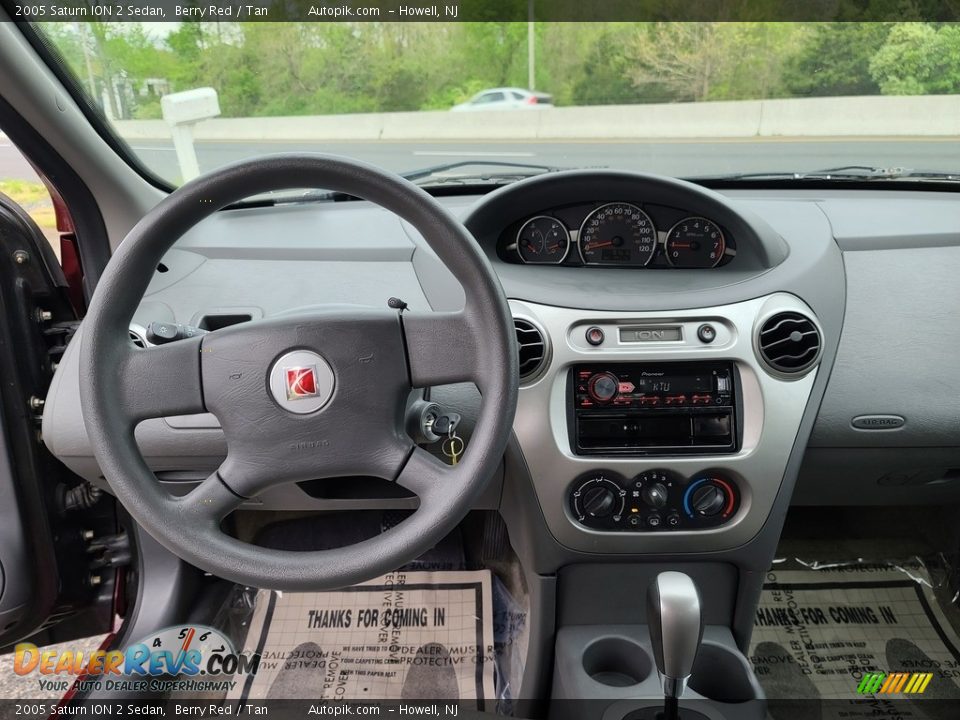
(617, 662)
(721, 675)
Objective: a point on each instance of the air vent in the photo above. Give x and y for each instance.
(532, 348)
(789, 342)
(137, 339)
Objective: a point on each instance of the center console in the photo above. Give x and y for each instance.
(660, 425)
(655, 435)
(653, 409)
(610, 670)
(654, 432)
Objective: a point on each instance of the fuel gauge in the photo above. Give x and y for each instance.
(543, 240)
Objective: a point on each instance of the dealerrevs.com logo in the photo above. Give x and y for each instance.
(184, 658)
(894, 683)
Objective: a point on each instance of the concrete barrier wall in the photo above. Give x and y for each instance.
(917, 116)
(930, 115)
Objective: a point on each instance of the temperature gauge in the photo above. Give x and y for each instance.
(543, 241)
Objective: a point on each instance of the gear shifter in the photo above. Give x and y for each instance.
(676, 628)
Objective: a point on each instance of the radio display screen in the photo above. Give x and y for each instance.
(664, 383)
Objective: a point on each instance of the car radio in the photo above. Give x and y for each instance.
(654, 408)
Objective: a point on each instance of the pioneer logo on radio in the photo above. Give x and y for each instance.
(651, 374)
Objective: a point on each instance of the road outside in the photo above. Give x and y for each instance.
(676, 158)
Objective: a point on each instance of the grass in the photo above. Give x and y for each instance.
(33, 197)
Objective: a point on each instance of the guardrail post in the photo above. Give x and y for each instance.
(181, 111)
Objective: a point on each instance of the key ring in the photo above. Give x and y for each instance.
(449, 447)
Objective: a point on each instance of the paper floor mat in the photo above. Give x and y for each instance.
(404, 635)
(818, 631)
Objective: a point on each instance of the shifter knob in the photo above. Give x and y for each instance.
(676, 628)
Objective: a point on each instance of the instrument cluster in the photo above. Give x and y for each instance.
(618, 234)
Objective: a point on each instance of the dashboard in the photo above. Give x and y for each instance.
(670, 411)
(617, 234)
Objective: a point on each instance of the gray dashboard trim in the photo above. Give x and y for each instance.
(875, 223)
(899, 351)
(440, 287)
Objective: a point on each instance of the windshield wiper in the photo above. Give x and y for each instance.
(499, 172)
(844, 172)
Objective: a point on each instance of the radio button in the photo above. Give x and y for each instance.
(603, 387)
(594, 336)
(707, 333)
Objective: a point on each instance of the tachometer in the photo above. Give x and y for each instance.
(543, 240)
(618, 234)
(695, 242)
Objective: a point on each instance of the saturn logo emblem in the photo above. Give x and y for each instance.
(301, 382)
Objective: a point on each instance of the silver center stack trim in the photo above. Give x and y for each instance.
(772, 411)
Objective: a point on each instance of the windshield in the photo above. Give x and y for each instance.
(497, 101)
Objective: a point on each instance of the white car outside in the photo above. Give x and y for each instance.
(505, 99)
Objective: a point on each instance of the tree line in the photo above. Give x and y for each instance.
(269, 69)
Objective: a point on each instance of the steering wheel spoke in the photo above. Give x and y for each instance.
(161, 381)
(427, 477)
(441, 349)
(212, 500)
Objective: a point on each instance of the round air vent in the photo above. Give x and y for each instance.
(137, 339)
(532, 346)
(789, 342)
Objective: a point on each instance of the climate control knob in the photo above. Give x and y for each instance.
(654, 495)
(598, 498)
(708, 500)
(598, 501)
(709, 497)
(603, 387)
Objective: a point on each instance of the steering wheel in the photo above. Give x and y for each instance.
(299, 397)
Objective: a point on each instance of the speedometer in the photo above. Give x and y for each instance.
(618, 234)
